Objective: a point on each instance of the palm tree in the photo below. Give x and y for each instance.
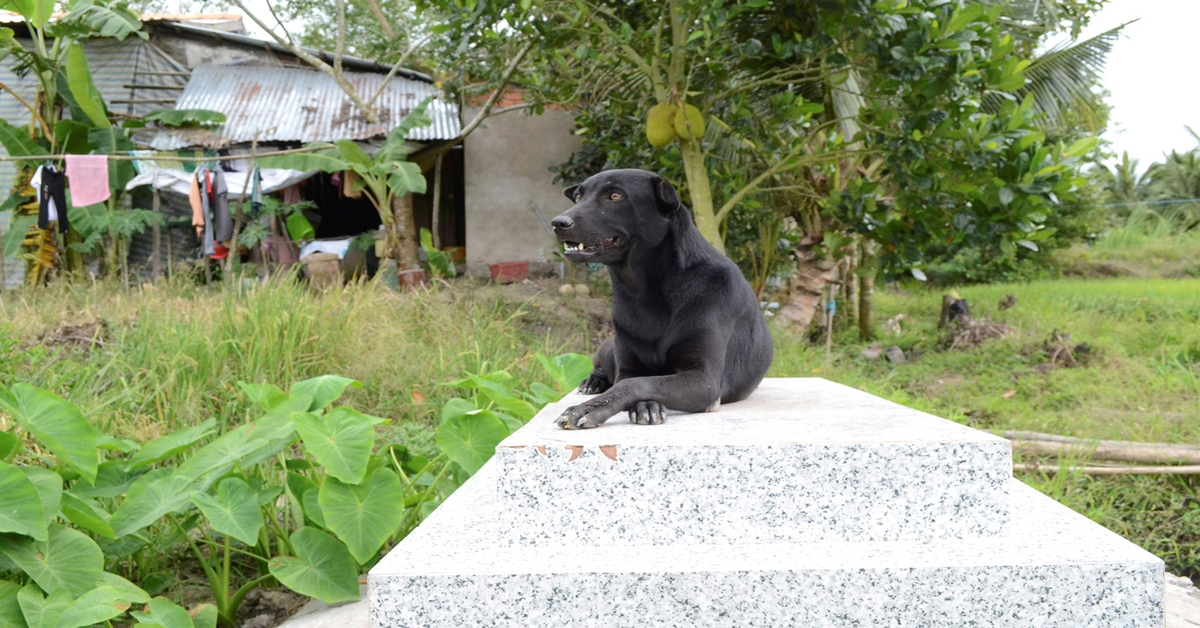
(1122, 182)
(1062, 80)
(1178, 179)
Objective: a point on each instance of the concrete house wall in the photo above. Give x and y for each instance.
(507, 175)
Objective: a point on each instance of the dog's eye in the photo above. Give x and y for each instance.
(616, 196)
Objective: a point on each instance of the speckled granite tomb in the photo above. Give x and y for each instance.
(801, 460)
(809, 504)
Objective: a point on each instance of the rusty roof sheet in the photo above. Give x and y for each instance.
(284, 104)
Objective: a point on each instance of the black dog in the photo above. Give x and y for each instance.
(689, 333)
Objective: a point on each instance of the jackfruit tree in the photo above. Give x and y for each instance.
(877, 127)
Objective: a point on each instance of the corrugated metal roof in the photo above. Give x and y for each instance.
(349, 62)
(281, 104)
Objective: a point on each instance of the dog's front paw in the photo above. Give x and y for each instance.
(577, 418)
(648, 413)
(595, 384)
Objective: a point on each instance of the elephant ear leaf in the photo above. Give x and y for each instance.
(57, 424)
(23, 511)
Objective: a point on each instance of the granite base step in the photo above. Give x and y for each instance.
(803, 459)
(809, 504)
(1050, 567)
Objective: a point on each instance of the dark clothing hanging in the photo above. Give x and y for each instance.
(256, 202)
(219, 205)
(52, 190)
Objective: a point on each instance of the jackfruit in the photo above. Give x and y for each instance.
(689, 123)
(660, 129)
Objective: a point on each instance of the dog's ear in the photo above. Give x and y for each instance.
(664, 193)
(570, 192)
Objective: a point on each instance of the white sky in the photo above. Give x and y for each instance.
(1151, 77)
(1154, 88)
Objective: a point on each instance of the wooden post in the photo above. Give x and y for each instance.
(155, 261)
(437, 202)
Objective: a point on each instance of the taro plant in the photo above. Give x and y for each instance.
(56, 572)
(299, 496)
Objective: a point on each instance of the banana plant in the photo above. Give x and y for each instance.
(54, 56)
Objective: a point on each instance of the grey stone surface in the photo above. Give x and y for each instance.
(803, 459)
(1042, 564)
(1051, 567)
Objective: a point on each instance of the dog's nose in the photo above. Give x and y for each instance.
(562, 223)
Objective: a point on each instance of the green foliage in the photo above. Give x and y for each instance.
(58, 425)
(177, 118)
(83, 89)
(16, 141)
(439, 262)
(951, 172)
(23, 512)
(322, 567)
(299, 495)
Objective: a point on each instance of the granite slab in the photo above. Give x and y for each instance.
(1048, 567)
(803, 459)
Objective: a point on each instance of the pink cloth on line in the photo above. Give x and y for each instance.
(88, 176)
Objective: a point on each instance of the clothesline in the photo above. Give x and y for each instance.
(172, 157)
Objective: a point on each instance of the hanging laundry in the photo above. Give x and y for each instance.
(256, 202)
(50, 185)
(206, 238)
(195, 201)
(219, 206)
(89, 179)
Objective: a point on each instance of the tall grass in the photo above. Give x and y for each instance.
(175, 351)
(1147, 242)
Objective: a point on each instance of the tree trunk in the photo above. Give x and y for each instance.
(806, 289)
(866, 292)
(701, 193)
(437, 204)
(852, 282)
(403, 239)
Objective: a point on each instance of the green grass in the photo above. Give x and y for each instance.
(1141, 382)
(175, 352)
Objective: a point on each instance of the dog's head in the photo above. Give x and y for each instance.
(616, 212)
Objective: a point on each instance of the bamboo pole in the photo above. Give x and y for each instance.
(171, 157)
(1117, 451)
(1125, 470)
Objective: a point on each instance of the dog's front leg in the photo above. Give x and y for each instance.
(647, 399)
(593, 412)
(605, 371)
